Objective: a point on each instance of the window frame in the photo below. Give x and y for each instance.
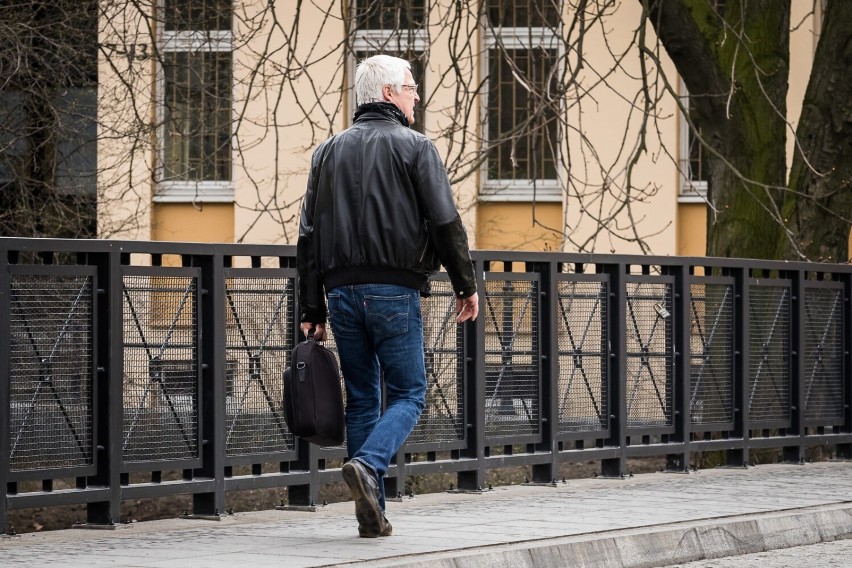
(517, 190)
(689, 190)
(188, 191)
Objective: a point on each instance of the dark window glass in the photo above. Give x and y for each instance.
(197, 106)
(388, 15)
(697, 165)
(198, 15)
(520, 121)
(696, 160)
(524, 13)
(76, 147)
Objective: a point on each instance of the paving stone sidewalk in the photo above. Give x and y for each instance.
(647, 520)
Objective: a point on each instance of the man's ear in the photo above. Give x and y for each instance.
(387, 92)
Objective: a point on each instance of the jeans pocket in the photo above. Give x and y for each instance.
(336, 314)
(387, 315)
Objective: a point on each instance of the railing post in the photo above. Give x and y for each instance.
(549, 350)
(212, 407)
(305, 495)
(395, 486)
(738, 456)
(617, 371)
(108, 420)
(474, 392)
(796, 453)
(682, 369)
(5, 367)
(844, 451)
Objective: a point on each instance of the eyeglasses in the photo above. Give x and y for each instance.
(412, 88)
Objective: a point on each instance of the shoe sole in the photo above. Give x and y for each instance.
(367, 509)
(387, 531)
(365, 534)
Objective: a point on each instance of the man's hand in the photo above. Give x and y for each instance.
(468, 308)
(319, 330)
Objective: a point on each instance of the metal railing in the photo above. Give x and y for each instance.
(123, 363)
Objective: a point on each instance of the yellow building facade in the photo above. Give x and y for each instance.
(209, 116)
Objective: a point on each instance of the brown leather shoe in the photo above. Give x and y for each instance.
(365, 492)
(388, 530)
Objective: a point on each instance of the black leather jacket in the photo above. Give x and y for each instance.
(378, 209)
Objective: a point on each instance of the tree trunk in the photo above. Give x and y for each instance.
(819, 204)
(735, 66)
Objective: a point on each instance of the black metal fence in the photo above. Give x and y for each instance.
(123, 363)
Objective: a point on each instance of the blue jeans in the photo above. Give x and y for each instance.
(378, 329)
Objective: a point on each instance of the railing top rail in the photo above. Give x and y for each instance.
(25, 244)
(656, 260)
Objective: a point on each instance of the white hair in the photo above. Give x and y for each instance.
(374, 73)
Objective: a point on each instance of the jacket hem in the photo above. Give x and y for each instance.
(373, 275)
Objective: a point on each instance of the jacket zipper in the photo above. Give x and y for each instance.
(425, 248)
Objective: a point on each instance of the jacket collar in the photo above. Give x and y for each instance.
(387, 110)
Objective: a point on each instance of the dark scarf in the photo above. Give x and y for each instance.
(389, 110)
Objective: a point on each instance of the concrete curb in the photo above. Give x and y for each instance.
(651, 546)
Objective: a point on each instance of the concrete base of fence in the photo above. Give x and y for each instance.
(97, 527)
(302, 508)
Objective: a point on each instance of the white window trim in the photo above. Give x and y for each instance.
(521, 38)
(539, 190)
(197, 41)
(507, 190)
(689, 191)
(194, 192)
(167, 191)
(372, 39)
(692, 192)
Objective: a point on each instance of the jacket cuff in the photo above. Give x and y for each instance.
(312, 316)
(451, 244)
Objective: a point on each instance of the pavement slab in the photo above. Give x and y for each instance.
(653, 519)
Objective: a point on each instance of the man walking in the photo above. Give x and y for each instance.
(377, 219)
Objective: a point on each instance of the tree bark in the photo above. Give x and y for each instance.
(819, 204)
(735, 66)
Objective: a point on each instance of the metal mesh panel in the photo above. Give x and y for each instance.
(711, 354)
(582, 333)
(511, 358)
(649, 354)
(259, 333)
(823, 373)
(50, 378)
(442, 419)
(769, 353)
(160, 368)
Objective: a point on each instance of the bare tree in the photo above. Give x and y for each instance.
(48, 81)
(735, 60)
(514, 93)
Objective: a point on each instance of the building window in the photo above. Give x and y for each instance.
(196, 101)
(390, 15)
(48, 119)
(692, 162)
(521, 110)
(397, 28)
